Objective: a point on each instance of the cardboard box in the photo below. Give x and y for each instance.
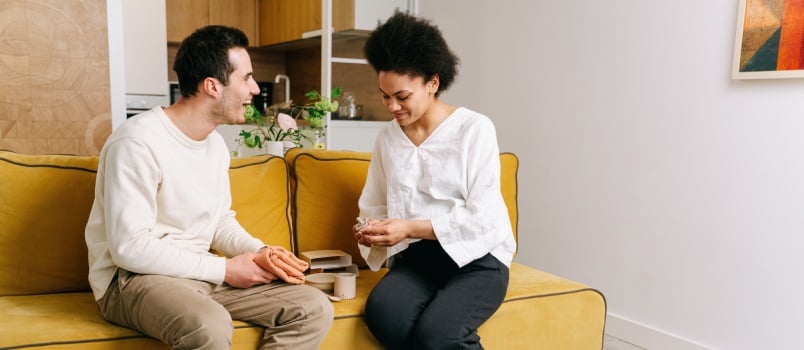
(327, 259)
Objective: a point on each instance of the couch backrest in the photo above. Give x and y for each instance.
(45, 202)
(327, 185)
(261, 198)
(325, 189)
(44, 206)
(509, 166)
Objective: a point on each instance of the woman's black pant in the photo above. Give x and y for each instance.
(426, 302)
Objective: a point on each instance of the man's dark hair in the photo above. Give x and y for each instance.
(405, 44)
(204, 54)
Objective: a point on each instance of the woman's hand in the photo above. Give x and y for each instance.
(388, 232)
(361, 224)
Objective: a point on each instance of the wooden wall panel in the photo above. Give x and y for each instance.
(54, 60)
(304, 69)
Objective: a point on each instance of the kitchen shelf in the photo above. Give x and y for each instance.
(349, 60)
(339, 55)
(312, 41)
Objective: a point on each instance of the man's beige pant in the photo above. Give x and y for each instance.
(190, 314)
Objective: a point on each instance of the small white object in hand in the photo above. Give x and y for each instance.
(361, 223)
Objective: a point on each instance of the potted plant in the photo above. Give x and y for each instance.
(316, 109)
(283, 127)
(268, 134)
(318, 106)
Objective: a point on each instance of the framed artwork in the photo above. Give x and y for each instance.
(770, 40)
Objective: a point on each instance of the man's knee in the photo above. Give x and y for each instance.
(320, 309)
(203, 329)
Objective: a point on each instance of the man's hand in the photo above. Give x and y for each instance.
(243, 272)
(282, 264)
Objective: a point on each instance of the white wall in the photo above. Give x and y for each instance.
(646, 172)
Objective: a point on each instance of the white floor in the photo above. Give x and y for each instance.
(612, 343)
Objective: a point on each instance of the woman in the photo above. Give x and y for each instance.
(432, 200)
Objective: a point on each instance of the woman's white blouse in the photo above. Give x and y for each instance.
(452, 179)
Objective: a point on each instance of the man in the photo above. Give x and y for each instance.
(162, 201)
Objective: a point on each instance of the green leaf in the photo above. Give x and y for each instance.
(252, 114)
(316, 122)
(314, 113)
(251, 141)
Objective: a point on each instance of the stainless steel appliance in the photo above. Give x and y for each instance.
(136, 104)
(173, 91)
(265, 98)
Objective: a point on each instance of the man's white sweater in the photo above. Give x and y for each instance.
(162, 200)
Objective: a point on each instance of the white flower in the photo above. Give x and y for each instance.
(286, 122)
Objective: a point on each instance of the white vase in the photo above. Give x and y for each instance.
(286, 145)
(276, 148)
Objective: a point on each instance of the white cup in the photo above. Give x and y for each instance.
(345, 285)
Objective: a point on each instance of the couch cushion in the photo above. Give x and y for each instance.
(46, 200)
(326, 179)
(45, 205)
(261, 198)
(72, 321)
(326, 187)
(540, 310)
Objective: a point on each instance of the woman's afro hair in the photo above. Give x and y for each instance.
(405, 44)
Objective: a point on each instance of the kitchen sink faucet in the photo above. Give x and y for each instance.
(287, 85)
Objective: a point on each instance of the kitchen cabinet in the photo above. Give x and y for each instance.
(283, 21)
(348, 15)
(185, 16)
(286, 20)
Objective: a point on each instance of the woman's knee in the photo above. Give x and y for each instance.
(389, 312)
(374, 308)
(388, 326)
(439, 338)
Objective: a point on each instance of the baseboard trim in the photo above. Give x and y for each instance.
(647, 337)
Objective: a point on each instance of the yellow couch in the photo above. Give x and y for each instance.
(305, 201)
